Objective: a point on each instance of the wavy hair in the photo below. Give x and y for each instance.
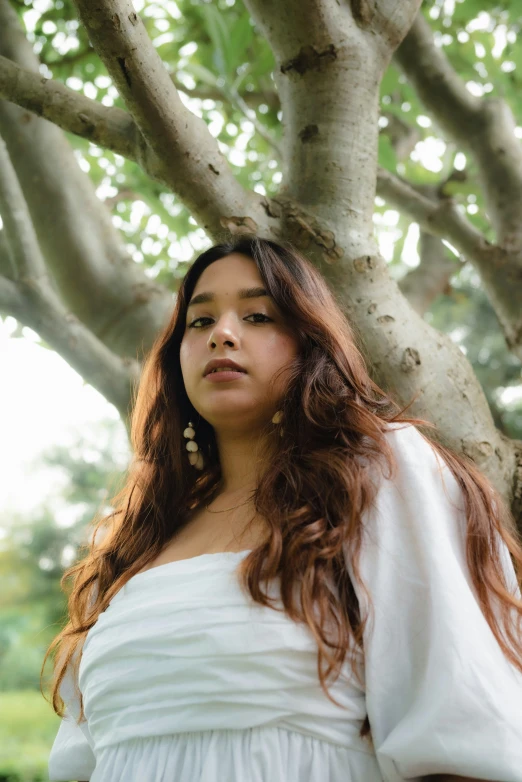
(335, 421)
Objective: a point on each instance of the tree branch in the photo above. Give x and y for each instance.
(423, 284)
(253, 99)
(32, 300)
(89, 264)
(237, 100)
(7, 267)
(440, 218)
(116, 130)
(193, 166)
(11, 300)
(18, 232)
(109, 127)
(484, 126)
(500, 270)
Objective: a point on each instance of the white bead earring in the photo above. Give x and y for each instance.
(277, 418)
(195, 456)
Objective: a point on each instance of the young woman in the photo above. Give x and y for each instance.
(281, 513)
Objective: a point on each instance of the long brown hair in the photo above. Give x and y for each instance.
(335, 420)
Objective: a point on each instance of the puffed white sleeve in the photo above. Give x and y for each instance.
(441, 696)
(72, 753)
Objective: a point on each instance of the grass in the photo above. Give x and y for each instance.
(28, 726)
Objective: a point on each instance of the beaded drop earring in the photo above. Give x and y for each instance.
(194, 454)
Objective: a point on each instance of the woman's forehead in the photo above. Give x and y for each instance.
(229, 277)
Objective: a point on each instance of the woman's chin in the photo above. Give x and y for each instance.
(231, 415)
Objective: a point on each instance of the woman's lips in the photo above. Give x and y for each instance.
(224, 376)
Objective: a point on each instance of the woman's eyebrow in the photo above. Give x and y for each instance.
(243, 293)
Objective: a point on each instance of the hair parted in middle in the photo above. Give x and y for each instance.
(313, 493)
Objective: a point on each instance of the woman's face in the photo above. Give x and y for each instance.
(250, 331)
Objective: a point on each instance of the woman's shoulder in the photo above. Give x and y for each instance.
(420, 493)
(412, 449)
(404, 435)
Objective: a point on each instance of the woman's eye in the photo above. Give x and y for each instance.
(259, 315)
(253, 315)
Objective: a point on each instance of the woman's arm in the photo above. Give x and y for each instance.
(428, 648)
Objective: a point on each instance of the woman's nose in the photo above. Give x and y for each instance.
(224, 330)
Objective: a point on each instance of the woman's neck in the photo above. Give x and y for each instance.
(243, 460)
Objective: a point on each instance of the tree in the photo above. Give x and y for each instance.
(328, 89)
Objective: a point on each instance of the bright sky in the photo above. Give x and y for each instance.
(43, 403)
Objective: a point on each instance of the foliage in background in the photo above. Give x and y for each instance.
(27, 729)
(35, 551)
(33, 556)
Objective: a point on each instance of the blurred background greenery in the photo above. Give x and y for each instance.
(27, 728)
(224, 71)
(34, 552)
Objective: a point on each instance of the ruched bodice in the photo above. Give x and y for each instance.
(182, 650)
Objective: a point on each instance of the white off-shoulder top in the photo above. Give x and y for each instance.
(185, 679)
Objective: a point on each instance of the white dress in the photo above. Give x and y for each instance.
(184, 679)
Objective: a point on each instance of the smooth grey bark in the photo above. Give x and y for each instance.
(109, 127)
(192, 164)
(84, 253)
(7, 268)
